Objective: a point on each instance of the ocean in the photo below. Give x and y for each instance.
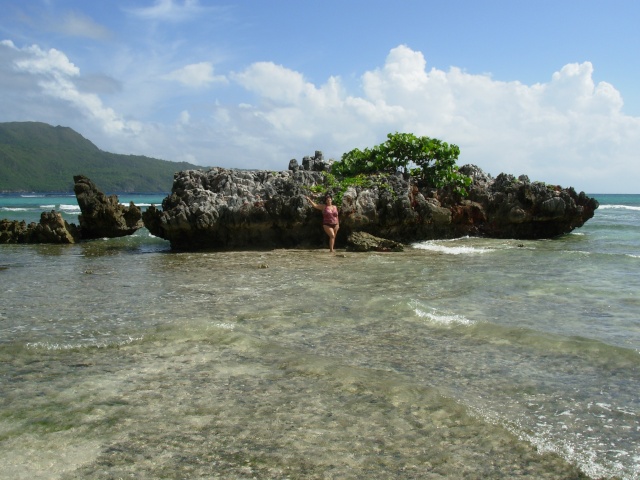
(467, 358)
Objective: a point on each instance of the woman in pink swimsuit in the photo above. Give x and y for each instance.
(330, 221)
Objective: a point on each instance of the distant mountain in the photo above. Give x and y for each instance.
(36, 157)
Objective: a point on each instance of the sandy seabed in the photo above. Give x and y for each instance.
(214, 403)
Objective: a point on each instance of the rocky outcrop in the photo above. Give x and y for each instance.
(365, 242)
(233, 209)
(228, 209)
(51, 229)
(509, 207)
(102, 215)
(317, 163)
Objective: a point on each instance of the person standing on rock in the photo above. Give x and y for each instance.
(330, 221)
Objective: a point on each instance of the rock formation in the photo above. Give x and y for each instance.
(506, 207)
(232, 209)
(51, 229)
(235, 209)
(227, 209)
(102, 215)
(365, 242)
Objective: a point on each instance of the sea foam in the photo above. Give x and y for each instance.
(440, 318)
(619, 207)
(70, 208)
(450, 250)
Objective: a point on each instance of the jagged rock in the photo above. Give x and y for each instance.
(365, 242)
(223, 208)
(54, 229)
(233, 209)
(13, 231)
(51, 229)
(518, 208)
(102, 215)
(311, 164)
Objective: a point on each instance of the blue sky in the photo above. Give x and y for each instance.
(543, 88)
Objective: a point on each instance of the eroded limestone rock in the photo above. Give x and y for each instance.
(234, 209)
(102, 215)
(52, 228)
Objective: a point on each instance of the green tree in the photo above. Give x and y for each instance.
(428, 159)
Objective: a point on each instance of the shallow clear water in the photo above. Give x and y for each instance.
(470, 358)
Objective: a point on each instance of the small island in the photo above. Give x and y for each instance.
(405, 190)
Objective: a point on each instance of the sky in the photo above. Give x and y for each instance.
(545, 88)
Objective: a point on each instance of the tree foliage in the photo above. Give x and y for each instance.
(428, 159)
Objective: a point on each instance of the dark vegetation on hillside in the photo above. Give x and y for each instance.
(37, 157)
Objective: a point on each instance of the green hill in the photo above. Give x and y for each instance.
(36, 157)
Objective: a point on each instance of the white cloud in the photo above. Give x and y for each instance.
(568, 130)
(196, 75)
(404, 73)
(49, 76)
(49, 63)
(273, 82)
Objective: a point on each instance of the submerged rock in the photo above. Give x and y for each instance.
(102, 215)
(233, 209)
(365, 242)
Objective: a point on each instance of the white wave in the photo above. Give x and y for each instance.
(450, 250)
(47, 206)
(14, 209)
(584, 457)
(578, 252)
(442, 318)
(70, 208)
(32, 196)
(126, 204)
(619, 207)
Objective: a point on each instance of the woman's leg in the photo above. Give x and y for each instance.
(331, 233)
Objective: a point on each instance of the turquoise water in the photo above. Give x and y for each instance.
(468, 358)
(29, 206)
